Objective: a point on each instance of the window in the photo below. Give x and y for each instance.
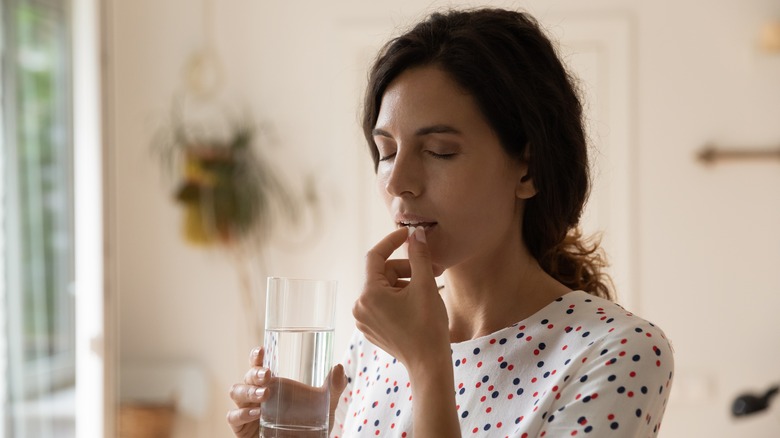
(37, 216)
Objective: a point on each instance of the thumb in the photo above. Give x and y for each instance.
(420, 257)
(337, 381)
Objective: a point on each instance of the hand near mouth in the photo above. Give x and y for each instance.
(406, 318)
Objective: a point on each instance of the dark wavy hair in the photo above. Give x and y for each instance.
(505, 61)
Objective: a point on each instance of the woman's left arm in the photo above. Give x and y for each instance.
(408, 320)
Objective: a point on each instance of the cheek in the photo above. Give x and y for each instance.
(380, 182)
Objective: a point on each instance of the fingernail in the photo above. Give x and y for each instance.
(259, 392)
(410, 230)
(254, 412)
(419, 234)
(261, 374)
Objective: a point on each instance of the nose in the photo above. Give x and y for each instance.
(404, 178)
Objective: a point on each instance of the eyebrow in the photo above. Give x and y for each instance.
(433, 129)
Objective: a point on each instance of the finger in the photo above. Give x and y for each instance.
(257, 376)
(239, 417)
(378, 255)
(256, 356)
(420, 259)
(246, 395)
(395, 269)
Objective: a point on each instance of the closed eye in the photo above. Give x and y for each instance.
(387, 157)
(441, 156)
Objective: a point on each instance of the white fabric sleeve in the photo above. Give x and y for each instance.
(619, 389)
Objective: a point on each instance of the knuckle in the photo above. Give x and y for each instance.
(235, 390)
(232, 416)
(357, 310)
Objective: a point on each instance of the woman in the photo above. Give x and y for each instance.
(478, 142)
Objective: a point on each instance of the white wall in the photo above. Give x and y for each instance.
(707, 238)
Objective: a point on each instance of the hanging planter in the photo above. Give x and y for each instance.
(228, 193)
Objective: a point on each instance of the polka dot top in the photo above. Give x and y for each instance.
(581, 366)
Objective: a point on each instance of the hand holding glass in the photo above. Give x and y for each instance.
(299, 327)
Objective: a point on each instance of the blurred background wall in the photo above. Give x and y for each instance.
(705, 239)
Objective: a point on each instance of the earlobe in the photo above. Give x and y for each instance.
(525, 187)
(525, 184)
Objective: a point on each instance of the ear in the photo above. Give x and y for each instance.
(525, 184)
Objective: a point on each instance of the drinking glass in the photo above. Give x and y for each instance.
(299, 326)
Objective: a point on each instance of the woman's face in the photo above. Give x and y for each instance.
(442, 166)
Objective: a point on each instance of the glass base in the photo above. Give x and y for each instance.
(268, 430)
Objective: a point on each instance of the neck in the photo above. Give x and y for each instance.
(483, 296)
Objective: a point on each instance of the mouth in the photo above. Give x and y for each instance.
(425, 225)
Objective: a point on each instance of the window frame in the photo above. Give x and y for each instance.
(28, 378)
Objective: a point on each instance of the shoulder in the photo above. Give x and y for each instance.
(598, 333)
(607, 318)
(622, 343)
(618, 367)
